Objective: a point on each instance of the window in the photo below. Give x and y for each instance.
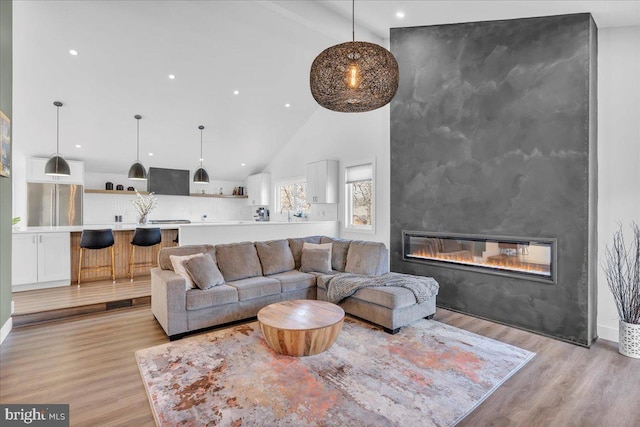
(359, 192)
(291, 196)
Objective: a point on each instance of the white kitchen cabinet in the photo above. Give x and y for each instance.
(40, 260)
(35, 172)
(322, 182)
(258, 189)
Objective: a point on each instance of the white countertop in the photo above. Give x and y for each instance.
(132, 226)
(79, 228)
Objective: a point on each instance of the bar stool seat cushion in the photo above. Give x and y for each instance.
(146, 236)
(96, 239)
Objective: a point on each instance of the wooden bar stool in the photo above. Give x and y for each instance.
(144, 237)
(95, 240)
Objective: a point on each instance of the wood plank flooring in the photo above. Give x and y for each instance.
(89, 363)
(43, 305)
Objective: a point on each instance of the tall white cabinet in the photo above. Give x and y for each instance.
(322, 181)
(258, 189)
(40, 260)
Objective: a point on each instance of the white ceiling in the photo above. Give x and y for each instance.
(264, 49)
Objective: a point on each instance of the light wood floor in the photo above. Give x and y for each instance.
(43, 305)
(89, 363)
(88, 293)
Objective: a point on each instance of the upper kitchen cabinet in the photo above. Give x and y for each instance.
(35, 172)
(322, 181)
(258, 189)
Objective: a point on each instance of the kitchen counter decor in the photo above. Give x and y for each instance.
(144, 205)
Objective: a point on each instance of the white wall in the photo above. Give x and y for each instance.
(618, 151)
(348, 138)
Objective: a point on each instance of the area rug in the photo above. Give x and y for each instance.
(428, 374)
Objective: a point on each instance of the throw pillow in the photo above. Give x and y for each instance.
(275, 256)
(204, 271)
(339, 251)
(178, 266)
(318, 260)
(323, 246)
(296, 247)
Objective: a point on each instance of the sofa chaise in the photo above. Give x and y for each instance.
(251, 275)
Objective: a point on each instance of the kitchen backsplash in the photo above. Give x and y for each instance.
(102, 208)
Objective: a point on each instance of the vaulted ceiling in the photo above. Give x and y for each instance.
(262, 49)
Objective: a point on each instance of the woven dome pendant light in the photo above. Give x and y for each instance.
(354, 77)
(201, 176)
(137, 171)
(56, 165)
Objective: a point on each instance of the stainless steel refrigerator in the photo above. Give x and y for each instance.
(54, 204)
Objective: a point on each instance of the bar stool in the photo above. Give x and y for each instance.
(144, 237)
(94, 240)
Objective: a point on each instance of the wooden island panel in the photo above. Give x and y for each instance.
(122, 245)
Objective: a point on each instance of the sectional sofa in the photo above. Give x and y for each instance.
(256, 274)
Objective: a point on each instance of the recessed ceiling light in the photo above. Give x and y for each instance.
(78, 146)
(73, 52)
(236, 92)
(201, 159)
(172, 77)
(400, 14)
(287, 105)
(242, 164)
(150, 154)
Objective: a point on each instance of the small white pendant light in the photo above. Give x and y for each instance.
(57, 165)
(201, 176)
(137, 171)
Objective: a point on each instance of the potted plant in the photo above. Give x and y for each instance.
(144, 205)
(622, 270)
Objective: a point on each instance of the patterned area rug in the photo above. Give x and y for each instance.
(429, 374)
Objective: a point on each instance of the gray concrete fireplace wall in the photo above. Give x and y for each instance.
(493, 131)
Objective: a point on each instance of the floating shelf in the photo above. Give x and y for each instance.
(88, 190)
(220, 196)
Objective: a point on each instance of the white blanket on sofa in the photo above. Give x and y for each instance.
(343, 285)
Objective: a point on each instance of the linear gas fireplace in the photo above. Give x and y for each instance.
(520, 257)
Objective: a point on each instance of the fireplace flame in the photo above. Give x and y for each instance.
(502, 262)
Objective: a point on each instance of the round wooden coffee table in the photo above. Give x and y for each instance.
(300, 327)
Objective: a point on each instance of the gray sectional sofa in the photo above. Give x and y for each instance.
(257, 274)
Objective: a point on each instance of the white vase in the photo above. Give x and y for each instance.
(629, 344)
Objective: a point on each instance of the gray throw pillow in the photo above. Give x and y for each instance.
(318, 260)
(275, 256)
(204, 271)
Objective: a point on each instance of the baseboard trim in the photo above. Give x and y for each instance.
(6, 328)
(608, 333)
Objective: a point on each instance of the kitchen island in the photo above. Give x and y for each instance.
(46, 257)
(216, 233)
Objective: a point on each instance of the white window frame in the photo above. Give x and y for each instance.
(276, 189)
(348, 208)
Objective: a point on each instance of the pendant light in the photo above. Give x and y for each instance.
(56, 165)
(137, 171)
(201, 176)
(354, 76)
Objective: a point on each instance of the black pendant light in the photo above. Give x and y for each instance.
(354, 76)
(57, 166)
(201, 176)
(137, 171)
